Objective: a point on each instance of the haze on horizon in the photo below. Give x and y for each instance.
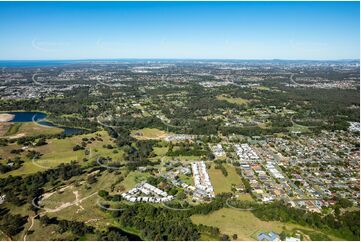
(181, 30)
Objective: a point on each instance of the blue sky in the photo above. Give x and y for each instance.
(231, 30)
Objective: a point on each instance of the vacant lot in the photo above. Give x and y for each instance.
(238, 100)
(149, 133)
(244, 224)
(220, 182)
(263, 88)
(134, 178)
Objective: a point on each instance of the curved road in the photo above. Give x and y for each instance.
(293, 81)
(77, 202)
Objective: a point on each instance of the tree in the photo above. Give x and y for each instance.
(41, 141)
(181, 195)
(77, 147)
(103, 193)
(283, 235)
(12, 224)
(45, 220)
(224, 237)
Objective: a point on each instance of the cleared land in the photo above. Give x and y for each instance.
(15, 130)
(76, 202)
(149, 133)
(32, 129)
(6, 117)
(263, 88)
(245, 224)
(223, 183)
(134, 178)
(238, 100)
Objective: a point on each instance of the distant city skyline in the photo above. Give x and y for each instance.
(179, 30)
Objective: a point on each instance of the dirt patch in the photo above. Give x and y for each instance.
(17, 136)
(6, 117)
(77, 201)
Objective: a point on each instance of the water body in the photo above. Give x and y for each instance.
(38, 117)
(56, 63)
(16, 64)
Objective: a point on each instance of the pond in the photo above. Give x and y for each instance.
(38, 118)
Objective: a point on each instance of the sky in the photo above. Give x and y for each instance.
(194, 30)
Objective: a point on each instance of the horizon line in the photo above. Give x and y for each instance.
(165, 58)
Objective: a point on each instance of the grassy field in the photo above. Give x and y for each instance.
(4, 126)
(87, 211)
(46, 233)
(149, 133)
(182, 158)
(245, 197)
(27, 129)
(239, 101)
(32, 129)
(134, 178)
(59, 151)
(263, 88)
(245, 224)
(187, 179)
(207, 237)
(160, 151)
(13, 129)
(299, 128)
(220, 182)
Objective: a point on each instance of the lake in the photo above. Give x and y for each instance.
(38, 117)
